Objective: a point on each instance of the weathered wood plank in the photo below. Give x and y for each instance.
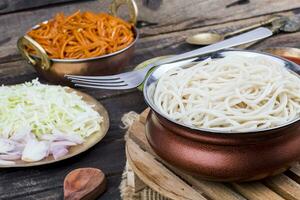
(117, 106)
(133, 180)
(158, 177)
(295, 172)
(284, 186)
(9, 72)
(15, 5)
(213, 190)
(189, 14)
(256, 191)
(137, 134)
(144, 115)
(180, 15)
(112, 191)
(16, 24)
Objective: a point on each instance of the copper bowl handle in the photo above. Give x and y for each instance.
(41, 53)
(132, 7)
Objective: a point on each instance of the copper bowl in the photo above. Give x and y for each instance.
(54, 70)
(222, 156)
(292, 54)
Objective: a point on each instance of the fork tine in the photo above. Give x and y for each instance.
(111, 77)
(105, 87)
(92, 82)
(74, 80)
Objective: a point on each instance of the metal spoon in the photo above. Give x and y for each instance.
(211, 38)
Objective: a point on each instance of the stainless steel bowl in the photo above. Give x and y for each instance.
(54, 70)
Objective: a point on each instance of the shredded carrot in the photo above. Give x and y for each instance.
(82, 35)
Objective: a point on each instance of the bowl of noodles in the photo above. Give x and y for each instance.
(82, 43)
(232, 116)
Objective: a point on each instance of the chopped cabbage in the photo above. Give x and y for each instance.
(45, 109)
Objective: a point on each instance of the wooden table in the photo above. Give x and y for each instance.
(165, 26)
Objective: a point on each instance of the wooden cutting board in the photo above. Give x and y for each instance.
(151, 171)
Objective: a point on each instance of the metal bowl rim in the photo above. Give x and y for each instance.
(217, 132)
(282, 48)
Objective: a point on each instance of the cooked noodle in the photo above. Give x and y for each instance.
(82, 35)
(233, 94)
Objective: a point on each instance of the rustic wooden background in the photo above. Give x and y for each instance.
(165, 24)
(7, 6)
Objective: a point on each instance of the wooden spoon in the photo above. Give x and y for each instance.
(84, 184)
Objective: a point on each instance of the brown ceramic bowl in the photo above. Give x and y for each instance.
(223, 156)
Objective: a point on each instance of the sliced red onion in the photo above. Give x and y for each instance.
(59, 148)
(6, 145)
(14, 156)
(35, 150)
(5, 162)
(59, 152)
(24, 145)
(19, 148)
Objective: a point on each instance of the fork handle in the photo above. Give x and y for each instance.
(250, 36)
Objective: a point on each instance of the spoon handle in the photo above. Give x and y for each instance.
(253, 26)
(256, 34)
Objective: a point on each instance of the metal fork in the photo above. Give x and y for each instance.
(129, 80)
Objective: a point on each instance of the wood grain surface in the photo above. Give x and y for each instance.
(164, 27)
(16, 5)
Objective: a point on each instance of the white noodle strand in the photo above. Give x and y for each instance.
(230, 94)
